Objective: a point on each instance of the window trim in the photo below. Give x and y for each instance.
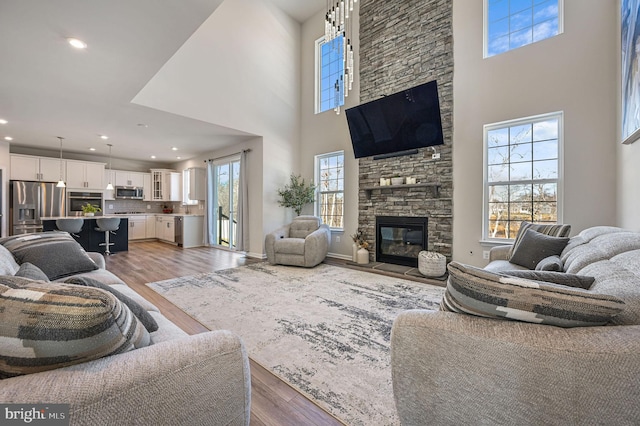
(485, 29)
(485, 179)
(316, 176)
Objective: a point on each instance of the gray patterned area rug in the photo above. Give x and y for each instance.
(324, 330)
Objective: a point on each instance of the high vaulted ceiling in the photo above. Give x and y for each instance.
(49, 89)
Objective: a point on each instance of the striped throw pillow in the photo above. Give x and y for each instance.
(50, 325)
(482, 293)
(552, 230)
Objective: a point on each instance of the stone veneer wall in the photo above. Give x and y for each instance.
(404, 44)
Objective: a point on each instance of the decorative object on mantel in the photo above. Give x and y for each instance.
(410, 180)
(337, 23)
(297, 194)
(397, 180)
(432, 264)
(434, 185)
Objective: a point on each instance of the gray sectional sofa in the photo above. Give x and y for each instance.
(176, 379)
(450, 368)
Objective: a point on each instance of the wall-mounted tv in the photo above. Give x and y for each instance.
(396, 123)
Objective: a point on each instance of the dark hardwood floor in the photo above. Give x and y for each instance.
(273, 402)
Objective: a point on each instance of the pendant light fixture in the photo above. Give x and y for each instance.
(61, 183)
(109, 185)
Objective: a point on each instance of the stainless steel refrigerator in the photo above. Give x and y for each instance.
(30, 202)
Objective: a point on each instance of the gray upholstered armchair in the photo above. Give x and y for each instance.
(304, 242)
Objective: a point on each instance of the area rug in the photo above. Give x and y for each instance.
(324, 330)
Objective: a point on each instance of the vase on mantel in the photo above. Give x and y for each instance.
(363, 256)
(354, 253)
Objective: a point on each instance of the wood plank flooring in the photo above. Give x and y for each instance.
(273, 402)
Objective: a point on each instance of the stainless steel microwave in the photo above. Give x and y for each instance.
(129, 192)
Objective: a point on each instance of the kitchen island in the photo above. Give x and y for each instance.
(89, 238)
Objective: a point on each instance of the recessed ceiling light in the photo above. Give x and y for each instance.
(178, 158)
(142, 125)
(8, 138)
(78, 44)
(105, 137)
(3, 121)
(174, 149)
(153, 156)
(92, 149)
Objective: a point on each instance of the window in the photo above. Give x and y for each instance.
(329, 74)
(522, 164)
(330, 182)
(509, 24)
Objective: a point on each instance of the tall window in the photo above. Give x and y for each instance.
(330, 182)
(329, 74)
(522, 174)
(186, 190)
(509, 24)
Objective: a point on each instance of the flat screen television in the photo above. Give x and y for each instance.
(397, 123)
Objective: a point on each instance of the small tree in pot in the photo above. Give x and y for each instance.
(297, 194)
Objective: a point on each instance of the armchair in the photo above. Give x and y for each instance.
(304, 242)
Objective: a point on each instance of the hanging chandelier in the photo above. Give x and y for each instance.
(338, 23)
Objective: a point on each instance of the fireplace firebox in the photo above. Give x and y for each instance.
(399, 239)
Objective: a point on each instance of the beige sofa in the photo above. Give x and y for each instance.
(178, 380)
(455, 369)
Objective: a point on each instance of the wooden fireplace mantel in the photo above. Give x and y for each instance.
(434, 185)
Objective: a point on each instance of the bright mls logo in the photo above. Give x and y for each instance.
(35, 414)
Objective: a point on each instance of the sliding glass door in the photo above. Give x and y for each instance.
(226, 176)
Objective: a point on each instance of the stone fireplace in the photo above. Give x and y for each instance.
(391, 61)
(400, 239)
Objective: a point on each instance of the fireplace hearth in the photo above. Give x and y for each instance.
(399, 239)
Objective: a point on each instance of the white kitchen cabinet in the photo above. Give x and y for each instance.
(137, 227)
(197, 184)
(150, 224)
(166, 185)
(28, 167)
(165, 229)
(146, 187)
(85, 174)
(127, 178)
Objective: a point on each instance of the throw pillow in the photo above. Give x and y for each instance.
(31, 271)
(57, 254)
(53, 325)
(145, 317)
(8, 265)
(553, 230)
(482, 293)
(535, 246)
(551, 263)
(561, 278)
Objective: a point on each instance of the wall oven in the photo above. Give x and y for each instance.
(129, 192)
(77, 199)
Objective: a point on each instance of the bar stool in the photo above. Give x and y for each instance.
(107, 225)
(71, 225)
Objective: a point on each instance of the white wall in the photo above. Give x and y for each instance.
(628, 158)
(575, 72)
(327, 132)
(241, 69)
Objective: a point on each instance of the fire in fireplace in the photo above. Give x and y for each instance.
(399, 239)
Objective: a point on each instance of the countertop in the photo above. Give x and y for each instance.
(121, 216)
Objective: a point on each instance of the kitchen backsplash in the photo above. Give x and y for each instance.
(137, 206)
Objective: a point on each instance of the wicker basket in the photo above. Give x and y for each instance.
(432, 264)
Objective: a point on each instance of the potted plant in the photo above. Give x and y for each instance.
(90, 209)
(297, 194)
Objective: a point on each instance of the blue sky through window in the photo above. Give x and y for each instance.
(515, 23)
(331, 74)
